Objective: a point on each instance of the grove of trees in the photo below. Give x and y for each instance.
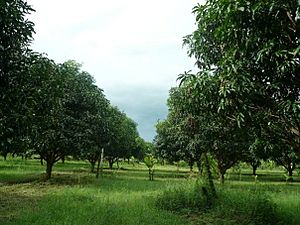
(54, 110)
(243, 104)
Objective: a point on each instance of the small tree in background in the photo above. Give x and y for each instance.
(150, 161)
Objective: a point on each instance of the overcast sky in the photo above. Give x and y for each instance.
(133, 48)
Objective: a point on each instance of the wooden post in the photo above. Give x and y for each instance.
(100, 163)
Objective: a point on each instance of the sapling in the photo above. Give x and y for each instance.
(150, 161)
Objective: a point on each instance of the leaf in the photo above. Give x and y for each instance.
(242, 9)
(9, 140)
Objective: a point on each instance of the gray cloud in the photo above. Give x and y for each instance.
(145, 105)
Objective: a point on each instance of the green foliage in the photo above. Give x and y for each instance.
(87, 113)
(140, 149)
(15, 37)
(68, 110)
(67, 114)
(150, 161)
(122, 136)
(166, 142)
(251, 50)
(52, 109)
(196, 125)
(246, 90)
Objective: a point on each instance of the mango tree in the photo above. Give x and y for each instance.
(150, 161)
(122, 136)
(15, 38)
(65, 104)
(252, 48)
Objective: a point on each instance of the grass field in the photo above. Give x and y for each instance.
(119, 197)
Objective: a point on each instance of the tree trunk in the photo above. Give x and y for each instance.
(151, 174)
(49, 170)
(110, 162)
(290, 171)
(222, 178)
(42, 163)
(210, 177)
(93, 166)
(98, 167)
(254, 168)
(5, 156)
(63, 159)
(100, 163)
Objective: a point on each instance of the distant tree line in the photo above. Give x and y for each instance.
(54, 110)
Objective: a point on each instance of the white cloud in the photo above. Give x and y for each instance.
(122, 43)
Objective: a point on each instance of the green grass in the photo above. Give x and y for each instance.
(15, 170)
(288, 203)
(74, 196)
(232, 205)
(122, 196)
(105, 202)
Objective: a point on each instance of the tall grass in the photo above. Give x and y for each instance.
(240, 204)
(288, 205)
